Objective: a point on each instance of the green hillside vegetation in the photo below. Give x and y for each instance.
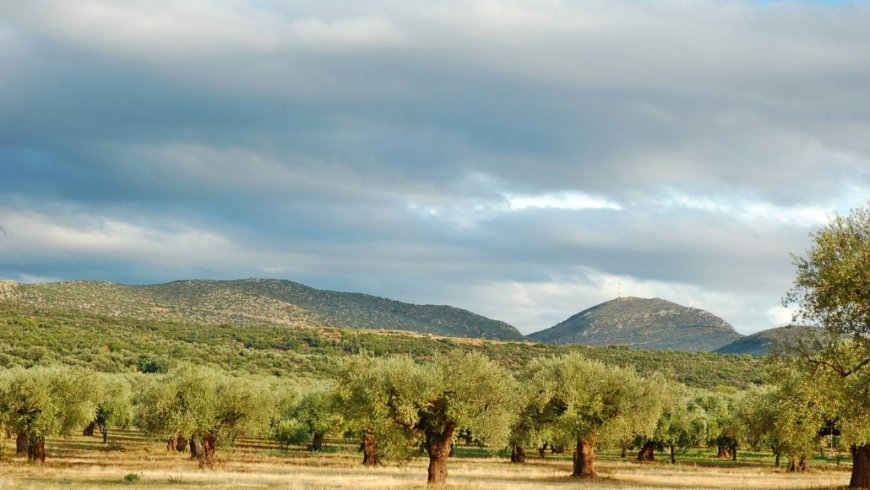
(642, 323)
(35, 336)
(761, 343)
(255, 302)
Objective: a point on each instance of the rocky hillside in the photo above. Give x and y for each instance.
(642, 323)
(759, 344)
(254, 302)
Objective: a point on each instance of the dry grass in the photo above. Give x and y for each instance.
(84, 463)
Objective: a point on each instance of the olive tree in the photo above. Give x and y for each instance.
(682, 424)
(785, 416)
(309, 417)
(832, 290)
(210, 406)
(724, 428)
(404, 404)
(587, 402)
(41, 402)
(114, 403)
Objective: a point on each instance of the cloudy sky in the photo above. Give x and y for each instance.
(522, 159)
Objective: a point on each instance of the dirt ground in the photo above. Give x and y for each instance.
(134, 460)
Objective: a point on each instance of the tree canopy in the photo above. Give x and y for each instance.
(404, 403)
(832, 289)
(585, 401)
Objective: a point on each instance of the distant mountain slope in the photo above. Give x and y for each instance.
(255, 302)
(760, 343)
(642, 323)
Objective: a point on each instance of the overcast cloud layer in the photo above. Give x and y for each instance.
(525, 160)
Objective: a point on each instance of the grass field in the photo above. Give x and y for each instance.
(84, 462)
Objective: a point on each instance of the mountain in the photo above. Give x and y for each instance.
(759, 344)
(642, 323)
(254, 302)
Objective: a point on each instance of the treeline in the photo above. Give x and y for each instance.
(397, 407)
(117, 345)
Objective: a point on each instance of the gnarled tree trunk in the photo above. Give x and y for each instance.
(584, 457)
(370, 450)
(438, 447)
(724, 452)
(180, 443)
(36, 450)
(776, 459)
(518, 454)
(791, 466)
(209, 446)
(673, 456)
(21, 444)
(89, 430)
(860, 467)
(317, 441)
(542, 450)
(195, 450)
(647, 452)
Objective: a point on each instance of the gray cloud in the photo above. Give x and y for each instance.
(383, 146)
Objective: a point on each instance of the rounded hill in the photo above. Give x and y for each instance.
(642, 323)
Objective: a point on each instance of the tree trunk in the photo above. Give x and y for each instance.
(370, 450)
(36, 450)
(673, 458)
(317, 441)
(584, 457)
(804, 463)
(733, 452)
(89, 430)
(438, 447)
(791, 466)
(622, 454)
(104, 430)
(209, 446)
(21, 444)
(180, 443)
(518, 454)
(542, 450)
(860, 467)
(647, 452)
(724, 452)
(194, 448)
(776, 459)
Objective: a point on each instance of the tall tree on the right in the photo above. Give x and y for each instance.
(832, 290)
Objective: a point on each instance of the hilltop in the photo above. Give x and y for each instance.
(642, 323)
(250, 302)
(760, 343)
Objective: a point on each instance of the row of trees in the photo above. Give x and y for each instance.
(398, 408)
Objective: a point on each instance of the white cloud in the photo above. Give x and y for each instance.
(563, 200)
(780, 315)
(757, 211)
(357, 32)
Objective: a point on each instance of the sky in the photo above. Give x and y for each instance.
(521, 159)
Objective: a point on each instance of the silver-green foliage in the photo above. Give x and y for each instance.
(582, 399)
(200, 401)
(400, 400)
(42, 402)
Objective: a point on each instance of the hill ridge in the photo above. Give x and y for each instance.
(760, 343)
(258, 301)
